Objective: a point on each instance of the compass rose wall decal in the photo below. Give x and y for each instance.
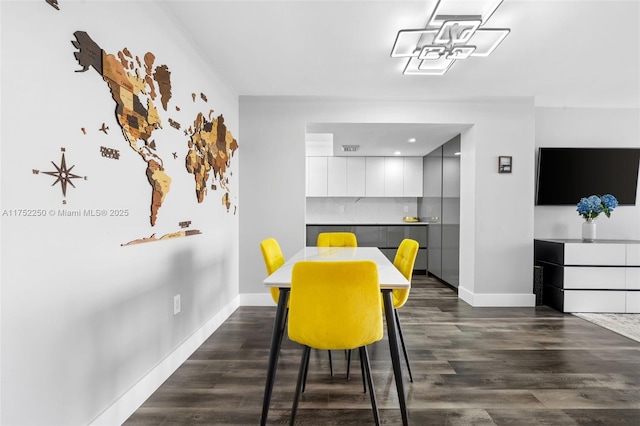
(62, 174)
(450, 34)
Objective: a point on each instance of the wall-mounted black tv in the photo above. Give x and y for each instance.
(567, 174)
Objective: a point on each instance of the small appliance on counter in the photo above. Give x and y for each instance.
(411, 219)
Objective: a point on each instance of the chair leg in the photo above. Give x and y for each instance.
(364, 356)
(302, 374)
(304, 383)
(364, 381)
(284, 325)
(306, 370)
(404, 348)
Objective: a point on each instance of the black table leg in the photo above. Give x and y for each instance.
(274, 352)
(392, 334)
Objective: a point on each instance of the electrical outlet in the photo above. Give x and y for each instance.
(341, 209)
(406, 209)
(176, 304)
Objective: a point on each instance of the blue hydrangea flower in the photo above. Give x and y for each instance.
(583, 207)
(609, 202)
(590, 207)
(595, 203)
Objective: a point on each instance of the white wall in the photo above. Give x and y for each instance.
(83, 318)
(496, 209)
(592, 128)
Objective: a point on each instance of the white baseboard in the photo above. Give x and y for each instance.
(497, 300)
(127, 404)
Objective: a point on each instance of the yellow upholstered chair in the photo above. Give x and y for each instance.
(404, 261)
(273, 259)
(335, 305)
(337, 239)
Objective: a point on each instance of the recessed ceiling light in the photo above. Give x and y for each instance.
(412, 140)
(397, 153)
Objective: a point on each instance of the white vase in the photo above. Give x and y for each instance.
(589, 231)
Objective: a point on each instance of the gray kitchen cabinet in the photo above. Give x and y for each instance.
(441, 205)
(386, 237)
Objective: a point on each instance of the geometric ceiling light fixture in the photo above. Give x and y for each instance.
(454, 31)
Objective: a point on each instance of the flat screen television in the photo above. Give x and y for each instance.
(565, 175)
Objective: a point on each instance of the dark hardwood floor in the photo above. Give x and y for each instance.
(471, 366)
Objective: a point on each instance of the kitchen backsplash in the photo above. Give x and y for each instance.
(359, 209)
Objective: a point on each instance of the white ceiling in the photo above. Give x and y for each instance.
(384, 139)
(560, 53)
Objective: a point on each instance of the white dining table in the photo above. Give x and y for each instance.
(390, 278)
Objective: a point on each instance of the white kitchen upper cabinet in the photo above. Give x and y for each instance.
(337, 176)
(374, 172)
(317, 173)
(393, 177)
(356, 176)
(364, 177)
(412, 176)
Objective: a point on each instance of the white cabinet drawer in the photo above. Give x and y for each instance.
(594, 301)
(633, 254)
(632, 278)
(604, 278)
(633, 302)
(598, 254)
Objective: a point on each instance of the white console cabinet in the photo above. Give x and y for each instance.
(601, 276)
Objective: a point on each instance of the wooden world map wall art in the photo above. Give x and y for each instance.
(142, 91)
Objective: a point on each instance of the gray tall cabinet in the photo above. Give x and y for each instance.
(440, 206)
